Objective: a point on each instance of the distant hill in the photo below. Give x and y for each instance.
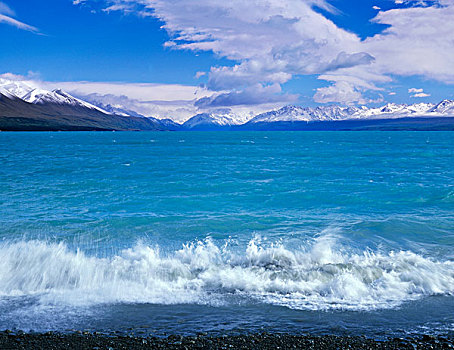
(17, 115)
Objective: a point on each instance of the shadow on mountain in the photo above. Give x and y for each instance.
(18, 115)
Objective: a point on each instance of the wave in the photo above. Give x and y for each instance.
(321, 275)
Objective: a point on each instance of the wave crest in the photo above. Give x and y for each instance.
(316, 276)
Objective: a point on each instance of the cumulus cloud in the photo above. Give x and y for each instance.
(271, 41)
(339, 91)
(418, 93)
(253, 95)
(421, 94)
(418, 41)
(6, 16)
(344, 60)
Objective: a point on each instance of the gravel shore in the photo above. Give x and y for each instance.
(86, 340)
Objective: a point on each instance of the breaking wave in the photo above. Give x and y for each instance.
(319, 276)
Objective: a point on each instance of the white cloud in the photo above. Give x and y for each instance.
(418, 41)
(6, 10)
(6, 16)
(417, 92)
(252, 95)
(421, 94)
(15, 23)
(178, 110)
(376, 7)
(199, 75)
(143, 92)
(271, 41)
(178, 102)
(339, 91)
(156, 100)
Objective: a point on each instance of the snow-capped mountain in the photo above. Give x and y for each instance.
(170, 124)
(305, 114)
(6, 93)
(226, 118)
(215, 119)
(58, 96)
(393, 110)
(34, 95)
(444, 107)
(332, 113)
(14, 88)
(118, 110)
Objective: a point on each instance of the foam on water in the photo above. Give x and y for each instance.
(317, 275)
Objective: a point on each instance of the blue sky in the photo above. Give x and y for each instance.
(314, 52)
(77, 44)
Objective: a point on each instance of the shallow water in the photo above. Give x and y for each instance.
(327, 232)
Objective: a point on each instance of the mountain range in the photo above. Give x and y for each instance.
(23, 107)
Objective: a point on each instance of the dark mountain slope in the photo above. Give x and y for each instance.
(16, 115)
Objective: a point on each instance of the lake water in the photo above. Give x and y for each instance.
(184, 232)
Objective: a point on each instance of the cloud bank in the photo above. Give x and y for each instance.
(177, 102)
(272, 41)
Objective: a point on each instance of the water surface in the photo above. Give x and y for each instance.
(327, 232)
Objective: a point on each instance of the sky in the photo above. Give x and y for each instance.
(176, 58)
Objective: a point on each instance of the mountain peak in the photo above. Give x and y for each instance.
(16, 88)
(221, 118)
(58, 96)
(445, 106)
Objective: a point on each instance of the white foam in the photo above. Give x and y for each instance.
(319, 275)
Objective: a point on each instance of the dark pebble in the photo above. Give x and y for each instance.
(87, 340)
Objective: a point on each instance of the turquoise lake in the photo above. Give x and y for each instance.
(183, 232)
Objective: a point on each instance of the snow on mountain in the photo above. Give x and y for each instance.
(14, 88)
(222, 118)
(444, 107)
(169, 124)
(40, 96)
(393, 110)
(420, 108)
(225, 117)
(208, 119)
(284, 114)
(34, 96)
(330, 113)
(305, 114)
(7, 94)
(118, 110)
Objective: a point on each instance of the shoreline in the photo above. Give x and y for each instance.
(86, 340)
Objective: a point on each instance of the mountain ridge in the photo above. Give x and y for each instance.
(59, 109)
(19, 115)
